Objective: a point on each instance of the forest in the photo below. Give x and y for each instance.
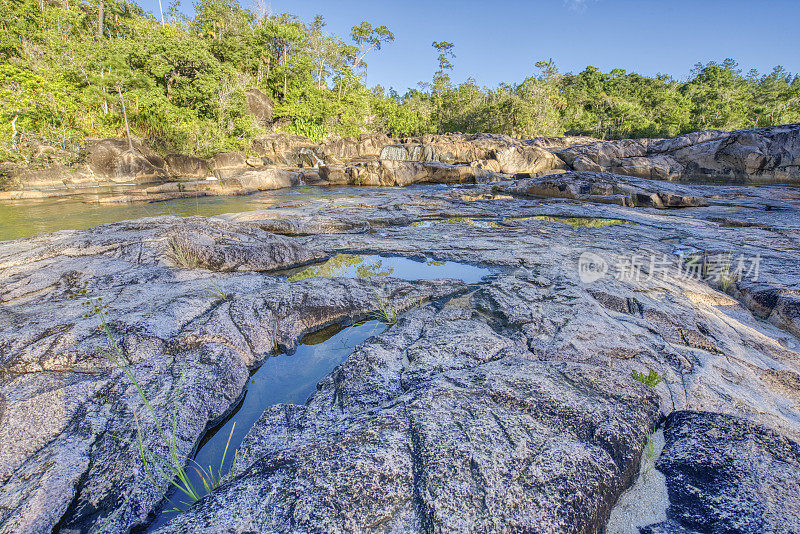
(73, 69)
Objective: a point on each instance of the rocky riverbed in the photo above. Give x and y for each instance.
(277, 160)
(502, 404)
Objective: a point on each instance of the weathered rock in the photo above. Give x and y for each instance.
(261, 179)
(449, 148)
(260, 106)
(767, 155)
(183, 166)
(726, 474)
(60, 466)
(113, 160)
(228, 164)
(534, 347)
(527, 159)
(439, 424)
(281, 148)
(401, 173)
(349, 148)
(606, 188)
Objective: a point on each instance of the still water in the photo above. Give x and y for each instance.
(25, 218)
(281, 379)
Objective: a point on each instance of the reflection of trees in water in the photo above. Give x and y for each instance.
(338, 266)
(373, 269)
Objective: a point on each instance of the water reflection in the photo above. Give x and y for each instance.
(371, 265)
(281, 379)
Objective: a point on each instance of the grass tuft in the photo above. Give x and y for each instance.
(384, 312)
(183, 254)
(164, 467)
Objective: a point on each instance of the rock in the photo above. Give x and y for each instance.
(112, 160)
(371, 144)
(60, 466)
(349, 148)
(763, 155)
(281, 147)
(260, 106)
(449, 148)
(526, 159)
(408, 153)
(228, 164)
(261, 179)
(514, 390)
(183, 166)
(438, 424)
(309, 158)
(605, 188)
(335, 174)
(560, 143)
(401, 173)
(727, 474)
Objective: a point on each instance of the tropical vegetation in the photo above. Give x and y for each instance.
(74, 69)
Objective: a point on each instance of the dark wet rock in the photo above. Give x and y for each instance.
(439, 424)
(765, 155)
(727, 474)
(260, 106)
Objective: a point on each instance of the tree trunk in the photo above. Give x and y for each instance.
(14, 132)
(100, 16)
(125, 116)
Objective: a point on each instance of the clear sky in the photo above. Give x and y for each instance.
(500, 40)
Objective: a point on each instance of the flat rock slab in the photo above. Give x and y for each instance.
(511, 394)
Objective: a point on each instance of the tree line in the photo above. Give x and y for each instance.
(72, 69)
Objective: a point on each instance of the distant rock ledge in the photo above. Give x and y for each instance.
(768, 155)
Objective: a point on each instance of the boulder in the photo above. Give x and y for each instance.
(348, 148)
(260, 106)
(526, 159)
(261, 179)
(113, 160)
(185, 166)
(763, 155)
(449, 148)
(605, 188)
(228, 164)
(281, 147)
(727, 474)
(401, 173)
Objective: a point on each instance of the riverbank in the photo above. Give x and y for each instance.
(762, 155)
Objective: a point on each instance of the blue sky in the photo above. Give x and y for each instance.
(500, 40)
